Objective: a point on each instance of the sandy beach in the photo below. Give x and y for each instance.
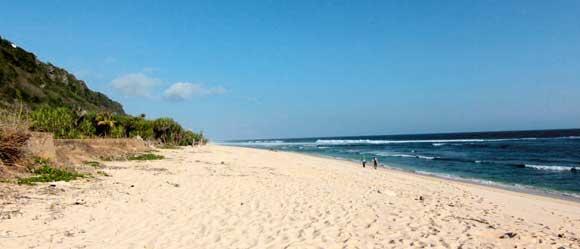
(229, 197)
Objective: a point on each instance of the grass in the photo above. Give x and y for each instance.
(47, 173)
(145, 157)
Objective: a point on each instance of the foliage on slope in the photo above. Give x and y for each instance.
(24, 79)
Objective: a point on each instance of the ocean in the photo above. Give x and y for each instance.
(540, 160)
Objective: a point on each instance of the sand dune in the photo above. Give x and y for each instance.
(227, 197)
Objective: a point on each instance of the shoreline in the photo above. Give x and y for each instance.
(530, 190)
(237, 197)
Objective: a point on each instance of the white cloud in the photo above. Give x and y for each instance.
(185, 90)
(135, 84)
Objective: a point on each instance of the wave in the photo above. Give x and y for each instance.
(435, 142)
(386, 154)
(330, 142)
(549, 167)
(368, 141)
(516, 165)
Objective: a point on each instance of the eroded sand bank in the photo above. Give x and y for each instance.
(228, 197)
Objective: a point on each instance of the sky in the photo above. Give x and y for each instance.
(280, 69)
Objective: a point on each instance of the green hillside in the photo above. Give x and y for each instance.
(25, 79)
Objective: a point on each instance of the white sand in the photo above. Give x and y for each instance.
(266, 199)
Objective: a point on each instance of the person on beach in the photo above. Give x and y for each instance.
(364, 163)
(375, 162)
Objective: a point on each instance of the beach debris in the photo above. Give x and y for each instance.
(80, 202)
(9, 214)
(132, 186)
(560, 235)
(378, 191)
(222, 163)
(241, 203)
(508, 235)
(173, 184)
(421, 198)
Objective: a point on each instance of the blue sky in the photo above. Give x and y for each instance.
(263, 69)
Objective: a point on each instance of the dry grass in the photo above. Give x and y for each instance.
(14, 135)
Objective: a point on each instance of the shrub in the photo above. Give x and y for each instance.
(86, 125)
(142, 128)
(64, 123)
(167, 130)
(59, 121)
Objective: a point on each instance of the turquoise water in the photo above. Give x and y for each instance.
(541, 160)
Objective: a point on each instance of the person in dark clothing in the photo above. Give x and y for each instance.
(375, 162)
(364, 163)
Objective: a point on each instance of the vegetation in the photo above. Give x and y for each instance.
(13, 137)
(49, 99)
(63, 105)
(65, 123)
(25, 79)
(145, 157)
(47, 173)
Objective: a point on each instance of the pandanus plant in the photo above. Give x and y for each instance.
(105, 123)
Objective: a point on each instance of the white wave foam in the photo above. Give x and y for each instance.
(387, 154)
(368, 141)
(261, 143)
(436, 142)
(549, 167)
(402, 155)
(426, 157)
